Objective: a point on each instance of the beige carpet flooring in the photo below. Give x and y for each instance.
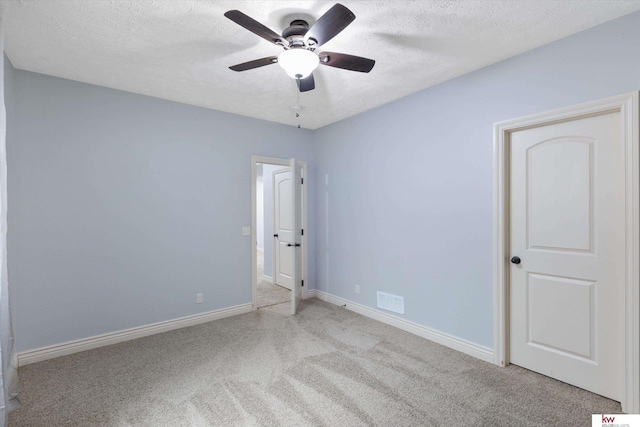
(268, 293)
(325, 366)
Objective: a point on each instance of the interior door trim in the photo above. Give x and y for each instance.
(627, 105)
(254, 222)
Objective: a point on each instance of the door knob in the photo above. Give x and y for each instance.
(516, 260)
(275, 235)
(291, 244)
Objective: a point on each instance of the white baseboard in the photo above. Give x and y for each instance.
(267, 279)
(464, 346)
(308, 293)
(70, 347)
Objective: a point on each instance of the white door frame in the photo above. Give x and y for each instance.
(254, 221)
(627, 105)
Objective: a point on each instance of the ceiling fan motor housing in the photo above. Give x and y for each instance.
(295, 32)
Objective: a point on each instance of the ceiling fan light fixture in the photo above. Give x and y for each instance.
(300, 41)
(298, 63)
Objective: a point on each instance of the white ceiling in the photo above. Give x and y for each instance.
(181, 49)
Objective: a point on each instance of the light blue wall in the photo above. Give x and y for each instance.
(268, 217)
(123, 207)
(404, 191)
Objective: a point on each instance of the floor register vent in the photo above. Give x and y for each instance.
(391, 302)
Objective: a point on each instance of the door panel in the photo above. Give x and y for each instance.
(560, 189)
(561, 314)
(283, 226)
(567, 207)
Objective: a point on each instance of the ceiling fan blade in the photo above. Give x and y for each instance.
(306, 84)
(255, 63)
(331, 23)
(256, 27)
(346, 62)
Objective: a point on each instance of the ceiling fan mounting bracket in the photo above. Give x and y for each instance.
(297, 27)
(299, 22)
(294, 33)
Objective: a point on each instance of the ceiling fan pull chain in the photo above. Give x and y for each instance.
(299, 107)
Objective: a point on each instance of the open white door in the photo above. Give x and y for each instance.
(296, 297)
(284, 235)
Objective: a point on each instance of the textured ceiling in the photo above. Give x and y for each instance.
(181, 50)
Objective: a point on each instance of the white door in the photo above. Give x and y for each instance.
(567, 219)
(297, 226)
(283, 226)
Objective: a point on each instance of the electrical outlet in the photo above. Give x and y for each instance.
(356, 289)
(199, 298)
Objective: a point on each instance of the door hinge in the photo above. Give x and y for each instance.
(301, 181)
(302, 282)
(302, 231)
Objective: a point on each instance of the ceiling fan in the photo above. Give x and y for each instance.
(300, 41)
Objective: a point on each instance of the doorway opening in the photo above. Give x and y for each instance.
(272, 290)
(279, 254)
